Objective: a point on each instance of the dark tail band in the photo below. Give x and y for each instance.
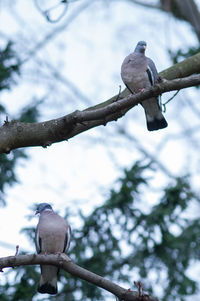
(156, 124)
(47, 288)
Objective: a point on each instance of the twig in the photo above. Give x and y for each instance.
(17, 250)
(46, 13)
(6, 121)
(120, 87)
(164, 104)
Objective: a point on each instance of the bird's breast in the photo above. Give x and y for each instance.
(52, 232)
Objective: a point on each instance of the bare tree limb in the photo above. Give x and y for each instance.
(16, 134)
(64, 262)
(186, 10)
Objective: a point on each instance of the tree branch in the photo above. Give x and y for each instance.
(64, 262)
(145, 4)
(16, 134)
(186, 10)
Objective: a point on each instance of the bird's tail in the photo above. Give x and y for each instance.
(154, 117)
(156, 123)
(48, 280)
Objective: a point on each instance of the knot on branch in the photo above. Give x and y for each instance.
(19, 129)
(73, 118)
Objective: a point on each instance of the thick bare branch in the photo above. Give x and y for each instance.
(64, 262)
(16, 134)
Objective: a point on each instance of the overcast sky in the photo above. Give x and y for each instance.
(87, 54)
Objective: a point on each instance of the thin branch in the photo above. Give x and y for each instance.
(64, 262)
(64, 80)
(46, 13)
(17, 250)
(54, 33)
(146, 4)
(170, 99)
(17, 134)
(147, 154)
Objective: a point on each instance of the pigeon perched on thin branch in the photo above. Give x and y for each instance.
(139, 72)
(52, 237)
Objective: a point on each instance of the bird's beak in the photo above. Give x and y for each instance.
(36, 212)
(144, 47)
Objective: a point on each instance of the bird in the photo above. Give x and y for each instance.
(139, 72)
(52, 236)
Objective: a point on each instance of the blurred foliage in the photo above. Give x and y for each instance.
(180, 54)
(120, 241)
(9, 68)
(7, 171)
(30, 113)
(8, 162)
(117, 240)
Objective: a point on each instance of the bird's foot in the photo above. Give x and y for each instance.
(160, 79)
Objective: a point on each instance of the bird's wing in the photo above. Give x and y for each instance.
(37, 241)
(67, 239)
(152, 72)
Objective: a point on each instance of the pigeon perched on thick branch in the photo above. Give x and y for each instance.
(139, 72)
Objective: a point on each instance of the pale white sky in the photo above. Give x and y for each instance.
(89, 53)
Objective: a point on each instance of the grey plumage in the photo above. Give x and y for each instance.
(139, 72)
(52, 236)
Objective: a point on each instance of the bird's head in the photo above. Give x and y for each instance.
(41, 207)
(141, 47)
